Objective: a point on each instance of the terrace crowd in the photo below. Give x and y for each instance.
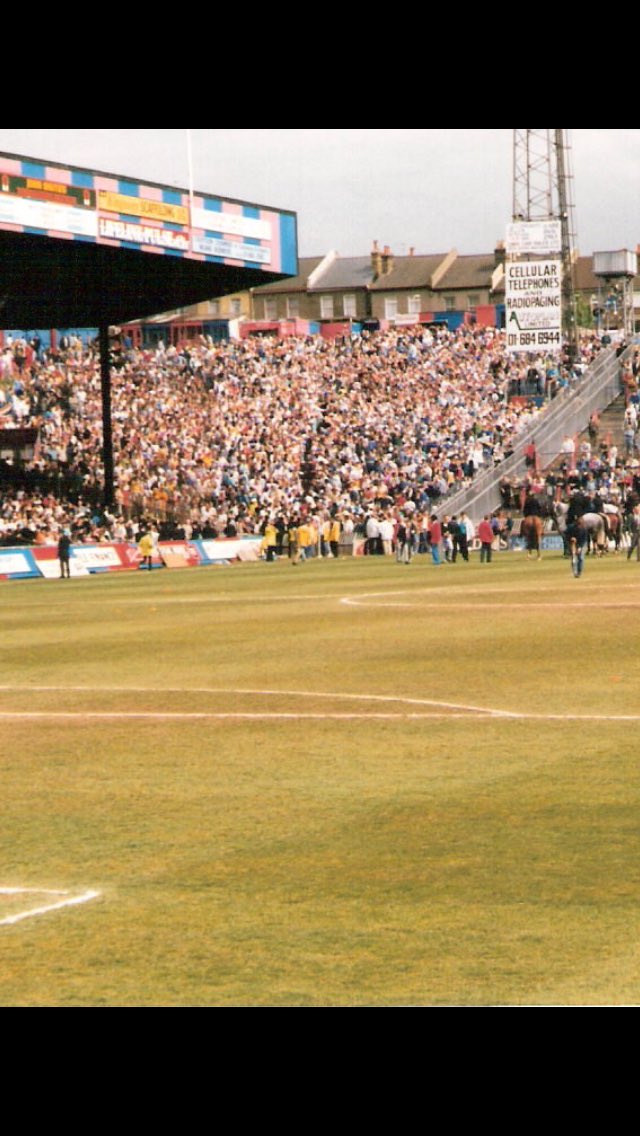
(222, 438)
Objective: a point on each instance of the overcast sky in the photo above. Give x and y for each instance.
(430, 189)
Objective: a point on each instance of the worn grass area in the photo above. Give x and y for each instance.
(346, 783)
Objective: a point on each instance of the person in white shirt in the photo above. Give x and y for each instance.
(386, 535)
(372, 533)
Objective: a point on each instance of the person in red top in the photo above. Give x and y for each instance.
(435, 535)
(485, 535)
(531, 457)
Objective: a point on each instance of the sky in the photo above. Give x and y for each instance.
(430, 190)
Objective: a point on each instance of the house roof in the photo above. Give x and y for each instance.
(345, 272)
(584, 277)
(306, 265)
(587, 281)
(473, 271)
(409, 272)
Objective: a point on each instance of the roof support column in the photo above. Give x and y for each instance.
(107, 437)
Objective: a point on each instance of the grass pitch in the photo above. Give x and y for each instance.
(346, 783)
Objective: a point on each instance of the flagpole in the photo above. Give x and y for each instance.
(190, 168)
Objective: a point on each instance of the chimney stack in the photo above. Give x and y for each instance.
(387, 261)
(376, 260)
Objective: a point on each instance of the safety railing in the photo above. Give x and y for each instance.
(567, 414)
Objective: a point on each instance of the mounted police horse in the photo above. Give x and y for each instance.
(560, 510)
(601, 527)
(613, 524)
(531, 528)
(597, 533)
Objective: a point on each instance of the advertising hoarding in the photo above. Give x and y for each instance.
(533, 302)
(533, 238)
(53, 200)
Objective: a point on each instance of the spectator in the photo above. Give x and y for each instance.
(485, 536)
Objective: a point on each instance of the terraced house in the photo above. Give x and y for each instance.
(382, 287)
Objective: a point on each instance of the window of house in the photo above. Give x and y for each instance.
(270, 308)
(215, 308)
(450, 303)
(349, 305)
(326, 307)
(235, 307)
(473, 299)
(390, 307)
(414, 307)
(293, 307)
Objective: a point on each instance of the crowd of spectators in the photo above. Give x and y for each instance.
(223, 438)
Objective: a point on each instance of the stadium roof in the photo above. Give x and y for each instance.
(46, 282)
(85, 249)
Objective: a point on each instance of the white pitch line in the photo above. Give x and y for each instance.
(164, 600)
(447, 709)
(269, 716)
(83, 715)
(231, 690)
(357, 601)
(33, 891)
(437, 703)
(71, 902)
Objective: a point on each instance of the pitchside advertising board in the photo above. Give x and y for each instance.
(91, 559)
(74, 204)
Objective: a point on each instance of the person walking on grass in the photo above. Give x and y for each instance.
(405, 540)
(64, 554)
(634, 530)
(577, 537)
(145, 548)
(485, 536)
(465, 535)
(435, 534)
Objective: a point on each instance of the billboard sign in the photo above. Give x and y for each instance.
(41, 198)
(539, 238)
(533, 302)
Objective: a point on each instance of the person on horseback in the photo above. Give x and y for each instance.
(531, 506)
(578, 504)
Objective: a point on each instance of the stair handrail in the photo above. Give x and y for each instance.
(567, 413)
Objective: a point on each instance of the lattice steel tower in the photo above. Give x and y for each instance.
(542, 192)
